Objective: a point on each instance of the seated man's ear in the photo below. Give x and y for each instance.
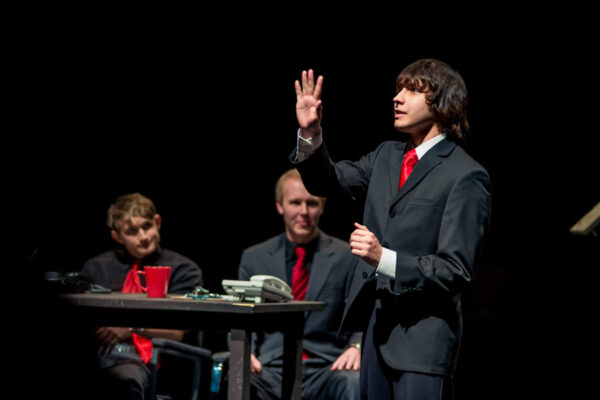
(157, 220)
(116, 236)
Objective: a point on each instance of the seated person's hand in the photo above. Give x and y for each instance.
(108, 337)
(255, 365)
(348, 360)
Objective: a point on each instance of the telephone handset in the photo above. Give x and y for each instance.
(273, 283)
(259, 289)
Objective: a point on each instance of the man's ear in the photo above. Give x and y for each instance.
(116, 237)
(157, 220)
(279, 207)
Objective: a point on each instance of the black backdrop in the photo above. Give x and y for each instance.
(202, 121)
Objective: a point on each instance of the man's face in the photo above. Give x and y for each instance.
(411, 112)
(300, 210)
(140, 237)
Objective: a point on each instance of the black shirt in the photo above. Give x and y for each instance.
(110, 269)
(290, 257)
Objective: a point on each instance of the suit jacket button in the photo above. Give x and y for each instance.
(392, 213)
(365, 275)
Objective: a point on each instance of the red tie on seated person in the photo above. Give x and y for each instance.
(132, 285)
(300, 279)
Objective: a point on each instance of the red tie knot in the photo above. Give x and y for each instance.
(300, 253)
(410, 158)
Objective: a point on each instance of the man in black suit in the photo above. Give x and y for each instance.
(331, 362)
(426, 210)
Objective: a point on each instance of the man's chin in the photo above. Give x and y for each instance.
(143, 254)
(304, 235)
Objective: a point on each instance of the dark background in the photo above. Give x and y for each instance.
(199, 116)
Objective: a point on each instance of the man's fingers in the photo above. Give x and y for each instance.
(307, 85)
(359, 252)
(360, 227)
(359, 235)
(359, 244)
(319, 87)
(339, 364)
(311, 81)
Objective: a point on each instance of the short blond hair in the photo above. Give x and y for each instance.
(127, 206)
(289, 174)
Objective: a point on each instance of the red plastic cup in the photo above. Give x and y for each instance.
(157, 280)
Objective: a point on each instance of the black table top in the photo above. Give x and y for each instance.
(119, 300)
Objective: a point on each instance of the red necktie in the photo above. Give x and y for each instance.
(410, 160)
(299, 274)
(132, 285)
(300, 280)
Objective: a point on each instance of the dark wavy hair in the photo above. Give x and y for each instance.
(445, 93)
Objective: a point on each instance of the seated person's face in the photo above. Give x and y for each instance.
(301, 211)
(140, 236)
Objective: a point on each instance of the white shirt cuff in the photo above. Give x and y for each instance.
(387, 264)
(306, 147)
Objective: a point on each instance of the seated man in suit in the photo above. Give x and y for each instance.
(317, 267)
(134, 225)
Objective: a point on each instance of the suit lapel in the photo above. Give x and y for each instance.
(430, 160)
(322, 265)
(277, 261)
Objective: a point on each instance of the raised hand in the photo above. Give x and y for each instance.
(309, 108)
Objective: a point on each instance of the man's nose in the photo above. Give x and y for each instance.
(399, 98)
(303, 209)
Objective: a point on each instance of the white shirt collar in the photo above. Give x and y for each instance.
(428, 144)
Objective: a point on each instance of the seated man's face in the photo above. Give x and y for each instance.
(300, 210)
(140, 236)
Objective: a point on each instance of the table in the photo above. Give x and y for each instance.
(241, 319)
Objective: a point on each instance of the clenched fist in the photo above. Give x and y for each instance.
(364, 244)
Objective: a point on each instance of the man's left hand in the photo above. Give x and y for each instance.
(364, 244)
(348, 360)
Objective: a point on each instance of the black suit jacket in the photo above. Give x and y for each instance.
(436, 223)
(331, 274)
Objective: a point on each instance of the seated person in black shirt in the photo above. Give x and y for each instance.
(135, 225)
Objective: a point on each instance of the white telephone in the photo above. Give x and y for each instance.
(259, 289)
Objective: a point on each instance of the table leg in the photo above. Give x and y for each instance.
(292, 360)
(239, 365)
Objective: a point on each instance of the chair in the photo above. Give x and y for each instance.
(201, 358)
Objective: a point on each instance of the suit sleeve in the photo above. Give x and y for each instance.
(349, 180)
(462, 230)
